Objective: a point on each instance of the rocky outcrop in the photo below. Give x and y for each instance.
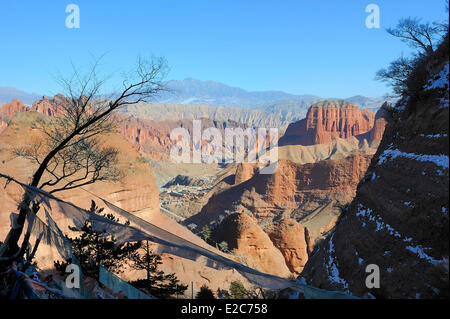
(292, 186)
(3, 125)
(374, 136)
(8, 111)
(327, 120)
(244, 171)
(50, 107)
(246, 239)
(294, 242)
(377, 131)
(399, 219)
(294, 191)
(12, 108)
(153, 137)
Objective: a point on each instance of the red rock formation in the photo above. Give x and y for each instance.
(150, 137)
(327, 120)
(12, 108)
(50, 106)
(293, 191)
(377, 131)
(3, 126)
(292, 239)
(8, 111)
(244, 171)
(246, 239)
(292, 185)
(153, 137)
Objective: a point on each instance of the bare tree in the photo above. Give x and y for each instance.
(71, 155)
(418, 35)
(406, 75)
(83, 162)
(397, 74)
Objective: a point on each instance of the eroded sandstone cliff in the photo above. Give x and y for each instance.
(327, 120)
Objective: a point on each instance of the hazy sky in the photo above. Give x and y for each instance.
(299, 46)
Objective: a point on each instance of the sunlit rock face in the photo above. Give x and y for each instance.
(327, 120)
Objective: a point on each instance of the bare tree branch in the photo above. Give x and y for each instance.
(416, 34)
(70, 153)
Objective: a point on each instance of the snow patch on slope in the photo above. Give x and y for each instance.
(381, 225)
(439, 160)
(440, 80)
(333, 271)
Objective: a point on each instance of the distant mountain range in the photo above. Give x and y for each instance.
(7, 94)
(195, 92)
(192, 91)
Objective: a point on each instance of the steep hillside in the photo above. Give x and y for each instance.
(399, 219)
(136, 192)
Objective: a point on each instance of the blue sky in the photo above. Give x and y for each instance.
(297, 46)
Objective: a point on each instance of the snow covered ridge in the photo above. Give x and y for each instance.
(440, 80)
(439, 160)
(381, 225)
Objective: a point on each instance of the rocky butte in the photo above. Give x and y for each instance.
(327, 120)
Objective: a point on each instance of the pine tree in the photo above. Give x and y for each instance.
(238, 291)
(158, 283)
(206, 233)
(94, 248)
(205, 293)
